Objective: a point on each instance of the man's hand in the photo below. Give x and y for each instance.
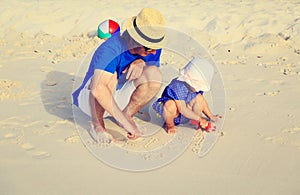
(135, 69)
(131, 127)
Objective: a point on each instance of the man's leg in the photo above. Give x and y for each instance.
(97, 111)
(147, 86)
(98, 131)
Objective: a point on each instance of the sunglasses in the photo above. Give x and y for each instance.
(147, 49)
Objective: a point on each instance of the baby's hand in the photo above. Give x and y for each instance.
(215, 118)
(208, 126)
(211, 126)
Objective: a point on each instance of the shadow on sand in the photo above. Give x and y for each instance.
(56, 94)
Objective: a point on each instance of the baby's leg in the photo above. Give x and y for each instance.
(170, 112)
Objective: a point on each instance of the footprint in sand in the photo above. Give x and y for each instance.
(46, 69)
(292, 130)
(257, 80)
(278, 140)
(27, 146)
(10, 52)
(286, 137)
(51, 83)
(10, 136)
(288, 71)
(60, 106)
(73, 139)
(198, 138)
(3, 42)
(40, 154)
(270, 93)
(278, 82)
(153, 156)
(151, 142)
(37, 154)
(232, 109)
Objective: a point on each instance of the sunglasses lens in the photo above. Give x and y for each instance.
(148, 49)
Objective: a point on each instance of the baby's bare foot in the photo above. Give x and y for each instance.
(171, 130)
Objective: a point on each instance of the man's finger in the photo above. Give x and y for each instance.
(129, 73)
(125, 70)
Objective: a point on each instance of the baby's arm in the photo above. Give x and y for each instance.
(206, 109)
(190, 114)
(185, 111)
(208, 113)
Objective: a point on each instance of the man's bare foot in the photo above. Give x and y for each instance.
(131, 127)
(100, 135)
(134, 136)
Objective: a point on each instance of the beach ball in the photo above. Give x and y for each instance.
(108, 28)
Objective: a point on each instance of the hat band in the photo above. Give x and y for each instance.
(144, 36)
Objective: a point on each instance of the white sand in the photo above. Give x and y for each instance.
(256, 46)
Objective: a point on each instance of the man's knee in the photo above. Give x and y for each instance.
(150, 76)
(152, 73)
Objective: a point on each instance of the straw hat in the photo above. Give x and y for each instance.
(148, 28)
(198, 73)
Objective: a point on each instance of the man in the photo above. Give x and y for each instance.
(123, 75)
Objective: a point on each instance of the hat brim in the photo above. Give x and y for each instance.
(133, 33)
(202, 87)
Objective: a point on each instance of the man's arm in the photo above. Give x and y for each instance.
(102, 86)
(135, 69)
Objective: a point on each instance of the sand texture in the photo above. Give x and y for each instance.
(45, 149)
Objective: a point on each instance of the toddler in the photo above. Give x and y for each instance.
(182, 100)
